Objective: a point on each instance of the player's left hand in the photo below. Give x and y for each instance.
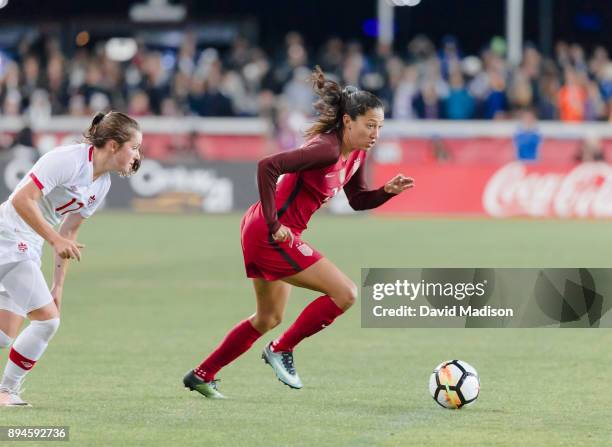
(398, 184)
(56, 293)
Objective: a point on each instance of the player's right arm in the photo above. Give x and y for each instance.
(25, 202)
(317, 153)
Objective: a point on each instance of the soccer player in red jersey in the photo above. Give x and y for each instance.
(275, 255)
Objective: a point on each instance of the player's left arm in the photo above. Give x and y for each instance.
(361, 198)
(69, 229)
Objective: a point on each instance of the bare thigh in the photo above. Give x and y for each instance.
(323, 276)
(10, 323)
(272, 297)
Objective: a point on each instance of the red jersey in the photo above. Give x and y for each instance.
(313, 174)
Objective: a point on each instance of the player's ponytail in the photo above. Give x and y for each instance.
(96, 119)
(334, 102)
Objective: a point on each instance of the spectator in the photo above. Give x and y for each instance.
(170, 108)
(449, 56)
(594, 107)
(405, 93)
(496, 102)
(57, 85)
(459, 105)
(590, 149)
(31, 79)
(572, 97)
(527, 138)
(93, 84)
(298, 91)
(332, 56)
(427, 104)
(155, 81)
(205, 98)
(520, 92)
(139, 104)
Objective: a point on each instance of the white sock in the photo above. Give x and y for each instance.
(28, 348)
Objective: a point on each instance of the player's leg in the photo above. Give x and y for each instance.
(339, 294)
(272, 297)
(26, 285)
(10, 323)
(271, 302)
(11, 315)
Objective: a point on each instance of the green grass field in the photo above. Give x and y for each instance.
(154, 294)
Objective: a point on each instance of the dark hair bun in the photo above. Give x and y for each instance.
(96, 120)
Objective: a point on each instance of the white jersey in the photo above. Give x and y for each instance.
(65, 177)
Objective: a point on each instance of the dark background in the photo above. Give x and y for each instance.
(472, 21)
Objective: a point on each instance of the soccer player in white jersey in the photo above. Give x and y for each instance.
(65, 185)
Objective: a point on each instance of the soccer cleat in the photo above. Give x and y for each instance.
(282, 364)
(206, 389)
(11, 398)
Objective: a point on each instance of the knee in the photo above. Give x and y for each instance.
(265, 323)
(347, 297)
(45, 329)
(5, 340)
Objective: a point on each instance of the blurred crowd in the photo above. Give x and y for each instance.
(418, 81)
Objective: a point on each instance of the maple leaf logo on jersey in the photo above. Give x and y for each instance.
(22, 247)
(92, 200)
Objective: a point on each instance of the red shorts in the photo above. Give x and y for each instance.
(264, 257)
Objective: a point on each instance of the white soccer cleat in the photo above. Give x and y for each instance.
(283, 366)
(10, 398)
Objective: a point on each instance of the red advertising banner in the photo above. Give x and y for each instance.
(478, 150)
(505, 190)
(163, 146)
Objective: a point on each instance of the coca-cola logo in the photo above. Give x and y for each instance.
(519, 190)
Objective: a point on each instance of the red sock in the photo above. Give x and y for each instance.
(316, 316)
(236, 342)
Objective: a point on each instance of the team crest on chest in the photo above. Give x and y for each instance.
(22, 247)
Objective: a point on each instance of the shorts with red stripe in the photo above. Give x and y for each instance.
(267, 259)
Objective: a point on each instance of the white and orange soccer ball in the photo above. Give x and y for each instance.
(454, 384)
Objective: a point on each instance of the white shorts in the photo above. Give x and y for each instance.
(23, 287)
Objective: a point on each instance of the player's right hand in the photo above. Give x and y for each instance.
(284, 234)
(68, 249)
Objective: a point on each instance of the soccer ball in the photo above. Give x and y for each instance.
(454, 384)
